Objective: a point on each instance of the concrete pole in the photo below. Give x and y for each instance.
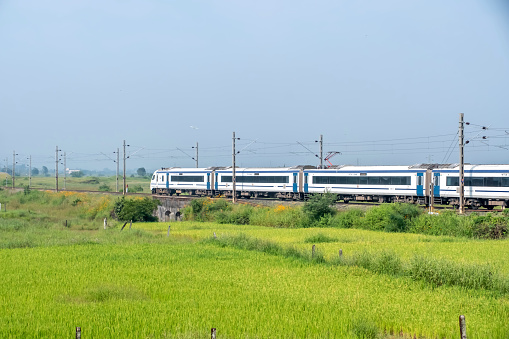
(30, 173)
(321, 151)
(461, 169)
(197, 154)
(65, 169)
(56, 168)
(13, 168)
(118, 160)
(233, 169)
(123, 191)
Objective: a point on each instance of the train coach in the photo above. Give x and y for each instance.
(485, 185)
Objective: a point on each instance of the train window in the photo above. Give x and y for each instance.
(436, 182)
(473, 181)
(374, 180)
(396, 180)
(294, 179)
(153, 177)
(363, 180)
(162, 179)
(268, 179)
(452, 181)
(352, 180)
(187, 178)
(493, 182)
(385, 180)
(504, 182)
(419, 180)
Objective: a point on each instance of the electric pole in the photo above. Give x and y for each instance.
(30, 172)
(13, 167)
(65, 170)
(118, 160)
(56, 168)
(124, 172)
(321, 151)
(196, 154)
(461, 170)
(233, 168)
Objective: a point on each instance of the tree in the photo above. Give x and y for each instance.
(45, 171)
(77, 174)
(141, 171)
(35, 171)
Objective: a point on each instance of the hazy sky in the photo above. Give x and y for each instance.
(382, 81)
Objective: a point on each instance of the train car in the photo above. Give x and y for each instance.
(371, 183)
(485, 185)
(195, 181)
(280, 183)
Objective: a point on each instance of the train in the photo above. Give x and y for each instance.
(484, 185)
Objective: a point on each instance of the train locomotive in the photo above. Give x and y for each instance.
(485, 185)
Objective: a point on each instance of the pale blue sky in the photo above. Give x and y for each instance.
(382, 81)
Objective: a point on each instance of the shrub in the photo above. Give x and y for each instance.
(104, 188)
(390, 217)
(320, 205)
(135, 209)
(347, 219)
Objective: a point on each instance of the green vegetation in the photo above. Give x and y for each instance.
(245, 280)
(317, 212)
(78, 181)
(135, 209)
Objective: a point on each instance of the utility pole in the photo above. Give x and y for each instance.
(196, 154)
(56, 168)
(462, 170)
(30, 172)
(118, 160)
(321, 151)
(124, 172)
(65, 170)
(13, 167)
(233, 168)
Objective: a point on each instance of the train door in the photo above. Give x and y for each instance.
(167, 180)
(295, 183)
(216, 184)
(420, 184)
(436, 185)
(208, 181)
(306, 187)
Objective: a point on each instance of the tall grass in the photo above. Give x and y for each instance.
(386, 217)
(420, 268)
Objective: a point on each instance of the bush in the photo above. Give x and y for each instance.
(390, 217)
(135, 209)
(104, 188)
(320, 205)
(348, 219)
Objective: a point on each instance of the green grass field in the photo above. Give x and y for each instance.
(142, 283)
(91, 183)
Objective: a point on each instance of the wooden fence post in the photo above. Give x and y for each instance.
(463, 327)
(78, 332)
(313, 251)
(105, 223)
(340, 253)
(131, 224)
(168, 234)
(213, 333)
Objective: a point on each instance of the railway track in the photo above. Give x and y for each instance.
(254, 201)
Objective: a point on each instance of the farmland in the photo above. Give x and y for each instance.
(144, 283)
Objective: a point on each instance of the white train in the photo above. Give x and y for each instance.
(485, 185)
